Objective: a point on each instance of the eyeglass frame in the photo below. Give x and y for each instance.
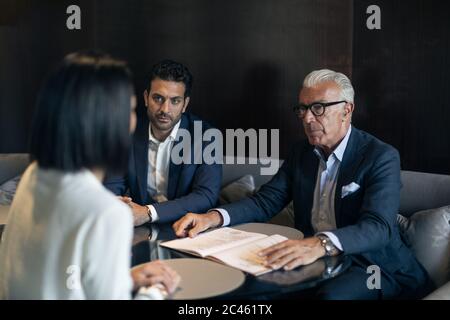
(307, 107)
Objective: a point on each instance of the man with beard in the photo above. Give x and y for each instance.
(157, 188)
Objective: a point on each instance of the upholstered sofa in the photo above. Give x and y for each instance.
(11, 166)
(426, 231)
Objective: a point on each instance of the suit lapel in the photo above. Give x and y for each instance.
(141, 158)
(353, 157)
(175, 169)
(308, 178)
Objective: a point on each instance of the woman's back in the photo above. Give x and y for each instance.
(66, 238)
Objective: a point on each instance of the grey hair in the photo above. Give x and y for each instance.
(325, 75)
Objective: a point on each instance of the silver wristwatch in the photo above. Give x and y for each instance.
(149, 213)
(327, 244)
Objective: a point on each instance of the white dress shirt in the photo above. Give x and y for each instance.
(67, 237)
(158, 167)
(323, 218)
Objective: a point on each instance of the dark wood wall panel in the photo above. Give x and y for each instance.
(402, 75)
(248, 57)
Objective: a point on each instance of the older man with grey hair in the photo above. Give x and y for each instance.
(345, 186)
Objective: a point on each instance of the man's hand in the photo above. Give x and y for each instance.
(148, 274)
(140, 213)
(124, 199)
(290, 254)
(193, 223)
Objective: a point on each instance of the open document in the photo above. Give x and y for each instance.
(229, 246)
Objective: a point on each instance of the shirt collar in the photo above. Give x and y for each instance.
(172, 136)
(340, 149)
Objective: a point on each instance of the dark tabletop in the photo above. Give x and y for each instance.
(276, 284)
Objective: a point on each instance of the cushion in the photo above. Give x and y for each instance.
(427, 233)
(244, 187)
(237, 190)
(442, 293)
(285, 217)
(8, 190)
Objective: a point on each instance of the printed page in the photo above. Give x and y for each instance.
(245, 257)
(213, 241)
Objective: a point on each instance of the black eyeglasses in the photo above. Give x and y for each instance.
(317, 108)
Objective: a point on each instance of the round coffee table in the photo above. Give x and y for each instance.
(202, 278)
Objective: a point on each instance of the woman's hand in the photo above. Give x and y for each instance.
(148, 274)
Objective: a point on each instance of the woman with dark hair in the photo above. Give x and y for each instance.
(67, 237)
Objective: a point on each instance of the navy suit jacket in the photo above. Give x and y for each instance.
(191, 187)
(366, 219)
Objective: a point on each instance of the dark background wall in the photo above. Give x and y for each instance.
(401, 74)
(248, 59)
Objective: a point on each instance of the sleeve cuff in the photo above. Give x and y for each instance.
(333, 239)
(224, 214)
(153, 213)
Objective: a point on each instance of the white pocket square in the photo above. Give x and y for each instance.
(349, 189)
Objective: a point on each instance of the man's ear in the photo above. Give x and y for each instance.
(146, 98)
(348, 108)
(186, 102)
